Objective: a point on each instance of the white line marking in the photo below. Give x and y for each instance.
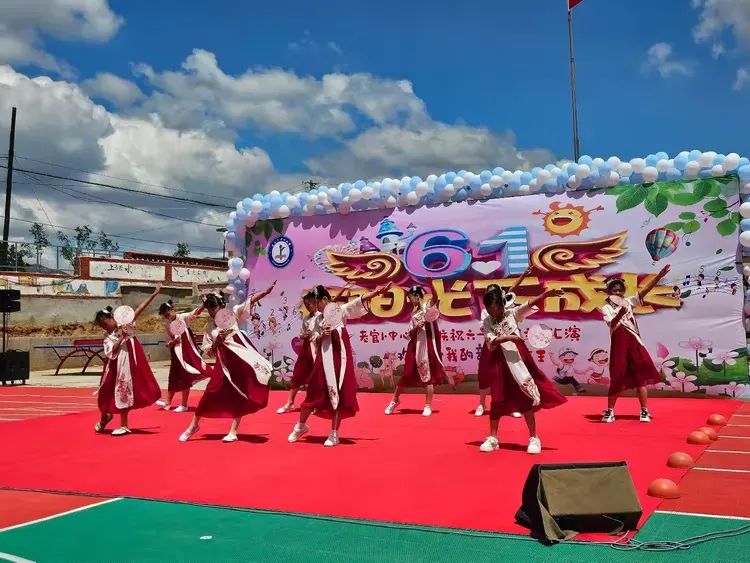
(743, 425)
(701, 514)
(726, 452)
(722, 470)
(742, 415)
(82, 396)
(39, 520)
(63, 403)
(13, 558)
(735, 437)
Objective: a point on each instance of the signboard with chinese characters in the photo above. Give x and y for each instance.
(60, 287)
(197, 275)
(691, 322)
(126, 271)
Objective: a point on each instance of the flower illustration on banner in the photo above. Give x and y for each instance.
(284, 377)
(363, 377)
(726, 358)
(698, 345)
(683, 382)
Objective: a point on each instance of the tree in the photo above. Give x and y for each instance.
(14, 259)
(107, 244)
(41, 241)
(182, 250)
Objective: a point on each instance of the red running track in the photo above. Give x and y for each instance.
(403, 468)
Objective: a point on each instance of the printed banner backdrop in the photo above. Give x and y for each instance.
(691, 323)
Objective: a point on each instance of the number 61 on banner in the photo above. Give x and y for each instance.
(446, 253)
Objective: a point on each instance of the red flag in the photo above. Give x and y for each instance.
(573, 3)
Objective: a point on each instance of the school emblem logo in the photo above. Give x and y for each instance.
(280, 252)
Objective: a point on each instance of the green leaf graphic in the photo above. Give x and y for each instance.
(631, 198)
(687, 215)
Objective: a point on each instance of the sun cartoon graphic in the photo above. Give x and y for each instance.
(566, 220)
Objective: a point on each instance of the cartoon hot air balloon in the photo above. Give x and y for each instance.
(660, 243)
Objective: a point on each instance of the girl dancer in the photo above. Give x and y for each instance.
(516, 383)
(187, 367)
(306, 359)
(239, 379)
(332, 389)
(484, 385)
(127, 380)
(630, 365)
(424, 363)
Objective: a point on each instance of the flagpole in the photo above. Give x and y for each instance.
(576, 142)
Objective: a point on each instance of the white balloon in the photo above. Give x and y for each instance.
(692, 168)
(244, 274)
(662, 165)
(232, 275)
(745, 188)
(523, 190)
(412, 198)
(431, 179)
(449, 190)
(650, 174)
(323, 198)
(367, 192)
(638, 164)
(458, 182)
(625, 169)
(732, 161)
(283, 212)
(543, 176)
(345, 206)
(614, 177)
(717, 170)
(745, 238)
(583, 171)
(355, 194)
(421, 189)
(745, 211)
(307, 211)
(405, 180)
(506, 176)
(256, 207)
(391, 202)
(395, 187)
(597, 162)
(312, 200)
(746, 270)
(496, 181)
(574, 183)
(292, 202)
(485, 190)
(555, 172)
(229, 289)
(533, 184)
(274, 193)
(613, 162)
(706, 159)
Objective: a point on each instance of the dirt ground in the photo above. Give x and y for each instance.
(152, 324)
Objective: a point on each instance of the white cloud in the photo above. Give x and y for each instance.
(718, 15)
(309, 45)
(277, 100)
(112, 88)
(394, 151)
(717, 50)
(742, 79)
(660, 59)
(24, 23)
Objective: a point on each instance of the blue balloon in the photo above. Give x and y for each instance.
(263, 215)
(485, 176)
(673, 174)
(719, 159)
(258, 197)
(515, 183)
(535, 171)
(498, 171)
(231, 236)
(475, 183)
(604, 171)
(744, 161)
(414, 181)
(266, 206)
(526, 177)
(636, 178)
(247, 204)
(302, 198)
(450, 176)
(744, 172)
(651, 160)
(694, 155)
(336, 197)
(704, 173)
(241, 216)
(463, 173)
(745, 225)
(384, 191)
(275, 201)
(320, 210)
(549, 167)
(359, 184)
(586, 159)
(661, 155)
(680, 162)
(461, 195)
(572, 168)
(229, 224)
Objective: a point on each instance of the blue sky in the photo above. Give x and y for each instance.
(231, 98)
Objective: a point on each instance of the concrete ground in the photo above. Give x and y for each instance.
(73, 378)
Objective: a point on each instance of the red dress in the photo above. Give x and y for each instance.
(423, 364)
(630, 364)
(516, 383)
(239, 378)
(303, 367)
(127, 380)
(332, 388)
(187, 366)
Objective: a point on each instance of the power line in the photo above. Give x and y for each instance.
(131, 180)
(121, 188)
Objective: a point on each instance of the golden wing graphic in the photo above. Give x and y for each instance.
(371, 267)
(579, 257)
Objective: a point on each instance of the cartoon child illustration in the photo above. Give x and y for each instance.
(564, 361)
(273, 325)
(598, 364)
(258, 327)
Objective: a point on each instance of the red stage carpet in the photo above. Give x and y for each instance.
(402, 468)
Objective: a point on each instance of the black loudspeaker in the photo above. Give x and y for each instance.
(10, 300)
(562, 500)
(14, 366)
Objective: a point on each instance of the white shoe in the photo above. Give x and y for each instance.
(122, 431)
(427, 410)
(515, 414)
(162, 404)
(332, 440)
(608, 416)
(284, 409)
(535, 446)
(231, 437)
(185, 436)
(299, 431)
(391, 407)
(490, 444)
(479, 411)
(645, 416)
(181, 408)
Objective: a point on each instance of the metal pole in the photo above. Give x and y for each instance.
(8, 186)
(576, 140)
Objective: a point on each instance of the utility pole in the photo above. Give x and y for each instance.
(9, 185)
